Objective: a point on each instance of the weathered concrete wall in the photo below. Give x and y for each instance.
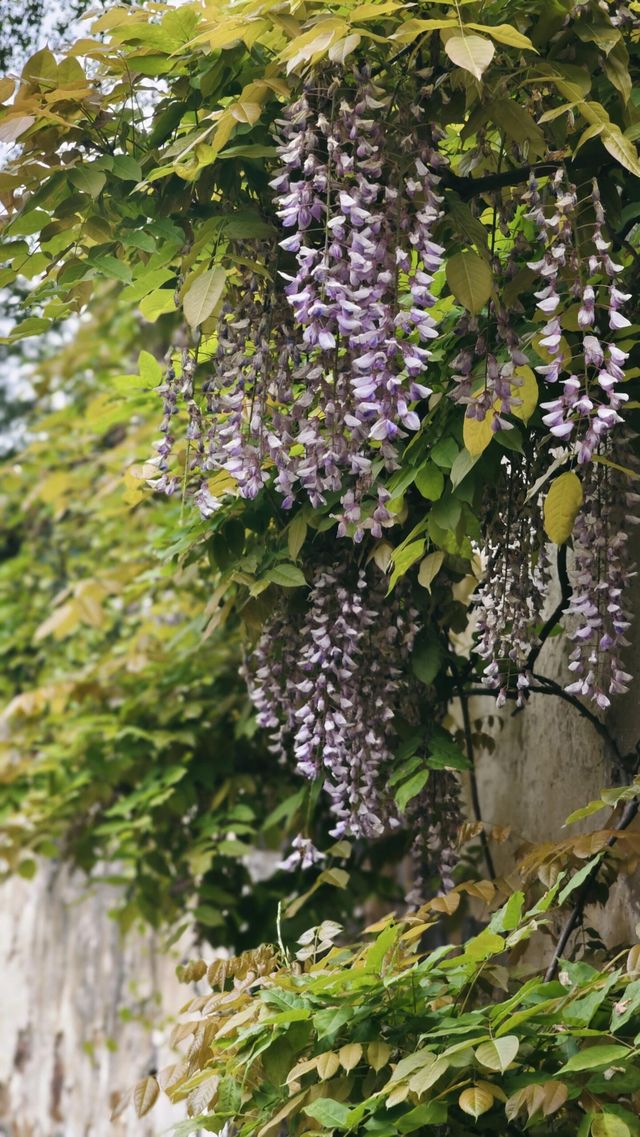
(67, 980)
(548, 761)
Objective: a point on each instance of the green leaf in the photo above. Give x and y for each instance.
(410, 789)
(432, 1113)
(286, 575)
(472, 53)
(444, 753)
(403, 558)
(126, 168)
(329, 1113)
(426, 660)
(296, 534)
(202, 295)
(87, 179)
(499, 1053)
(470, 280)
(596, 1056)
(429, 481)
(157, 303)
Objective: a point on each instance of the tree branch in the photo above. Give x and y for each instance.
(565, 596)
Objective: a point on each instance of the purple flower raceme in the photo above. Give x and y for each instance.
(329, 687)
(598, 616)
(511, 597)
(318, 374)
(588, 406)
(362, 236)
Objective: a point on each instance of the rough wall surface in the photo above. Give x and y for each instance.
(548, 761)
(67, 980)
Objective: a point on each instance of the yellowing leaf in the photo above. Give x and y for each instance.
(202, 295)
(609, 1125)
(339, 51)
(561, 507)
(477, 433)
(350, 1055)
(528, 392)
(424, 1079)
(378, 1054)
(498, 1053)
(621, 148)
(145, 1094)
(505, 33)
(472, 53)
(469, 278)
(429, 569)
(633, 960)
(245, 111)
(475, 1101)
(327, 1064)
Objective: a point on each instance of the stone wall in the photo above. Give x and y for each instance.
(79, 1018)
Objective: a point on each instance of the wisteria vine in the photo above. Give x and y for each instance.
(331, 353)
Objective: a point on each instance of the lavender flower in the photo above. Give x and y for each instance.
(600, 578)
(330, 688)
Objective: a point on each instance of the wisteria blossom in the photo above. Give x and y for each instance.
(329, 687)
(319, 376)
(599, 612)
(588, 406)
(511, 598)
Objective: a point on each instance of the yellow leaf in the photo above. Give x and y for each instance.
(477, 433)
(424, 1079)
(528, 392)
(621, 148)
(561, 507)
(339, 51)
(145, 1094)
(633, 960)
(327, 1063)
(350, 1055)
(555, 1095)
(449, 903)
(505, 33)
(59, 623)
(429, 569)
(202, 295)
(378, 1054)
(475, 1101)
(472, 53)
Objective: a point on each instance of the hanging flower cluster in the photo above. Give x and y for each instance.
(435, 816)
(600, 579)
(510, 600)
(588, 407)
(316, 380)
(330, 686)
